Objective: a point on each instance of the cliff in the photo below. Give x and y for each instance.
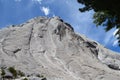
(50, 47)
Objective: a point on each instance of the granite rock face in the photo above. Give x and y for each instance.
(50, 47)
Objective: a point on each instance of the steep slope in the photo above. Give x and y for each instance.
(50, 47)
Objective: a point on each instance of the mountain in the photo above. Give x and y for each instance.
(50, 47)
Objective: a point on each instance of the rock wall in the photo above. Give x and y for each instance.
(50, 47)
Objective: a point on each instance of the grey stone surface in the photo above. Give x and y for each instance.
(50, 47)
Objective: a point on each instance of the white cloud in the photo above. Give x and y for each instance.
(53, 15)
(109, 38)
(115, 32)
(39, 1)
(115, 43)
(46, 10)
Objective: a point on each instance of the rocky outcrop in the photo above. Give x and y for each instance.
(50, 47)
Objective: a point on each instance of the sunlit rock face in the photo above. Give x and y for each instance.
(50, 47)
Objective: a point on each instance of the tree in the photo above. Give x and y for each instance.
(13, 71)
(107, 13)
(2, 73)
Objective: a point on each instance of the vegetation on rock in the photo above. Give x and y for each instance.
(13, 71)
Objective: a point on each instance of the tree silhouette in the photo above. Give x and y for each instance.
(107, 13)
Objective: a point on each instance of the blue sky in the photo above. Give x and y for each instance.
(19, 11)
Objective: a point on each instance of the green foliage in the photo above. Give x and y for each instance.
(107, 13)
(41, 76)
(20, 73)
(2, 72)
(25, 79)
(103, 18)
(13, 71)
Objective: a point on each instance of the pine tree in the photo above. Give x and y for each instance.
(107, 13)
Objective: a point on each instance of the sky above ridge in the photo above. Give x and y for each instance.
(19, 11)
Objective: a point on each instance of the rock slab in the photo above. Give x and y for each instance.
(50, 47)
